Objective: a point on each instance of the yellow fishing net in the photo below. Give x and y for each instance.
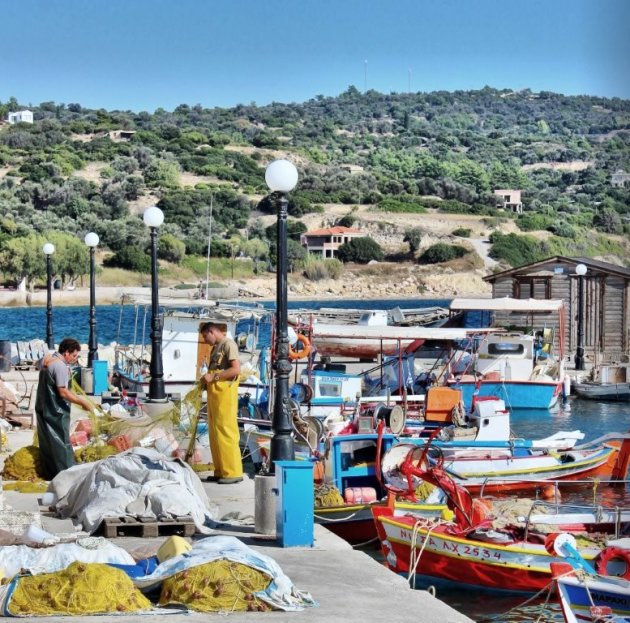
(93, 452)
(218, 586)
(26, 486)
(81, 588)
(327, 496)
(24, 464)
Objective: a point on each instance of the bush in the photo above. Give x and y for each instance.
(401, 205)
(462, 232)
(171, 249)
(515, 250)
(442, 252)
(534, 222)
(360, 250)
(130, 258)
(347, 221)
(316, 269)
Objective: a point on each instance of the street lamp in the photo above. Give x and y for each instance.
(580, 271)
(49, 249)
(91, 240)
(281, 177)
(153, 217)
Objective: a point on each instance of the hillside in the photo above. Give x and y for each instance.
(391, 164)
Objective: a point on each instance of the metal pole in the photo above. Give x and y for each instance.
(92, 344)
(49, 326)
(282, 440)
(156, 384)
(579, 355)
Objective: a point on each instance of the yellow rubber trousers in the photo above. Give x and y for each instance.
(223, 429)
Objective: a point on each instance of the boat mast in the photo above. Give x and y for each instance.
(209, 238)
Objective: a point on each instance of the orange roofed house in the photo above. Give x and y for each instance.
(326, 242)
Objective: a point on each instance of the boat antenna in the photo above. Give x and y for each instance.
(209, 239)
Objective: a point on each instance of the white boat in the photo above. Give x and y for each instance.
(184, 354)
(518, 367)
(616, 392)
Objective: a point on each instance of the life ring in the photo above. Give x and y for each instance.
(305, 351)
(616, 556)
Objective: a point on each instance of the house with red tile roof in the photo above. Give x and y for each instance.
(326, 242)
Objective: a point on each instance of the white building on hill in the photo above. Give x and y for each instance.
(20, 116)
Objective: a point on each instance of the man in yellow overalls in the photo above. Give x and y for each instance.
(222, 388)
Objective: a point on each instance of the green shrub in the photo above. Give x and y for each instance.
(442, 252)
(360, 250)
(408, 205)
(533, 221)
(462, 232)
(130, 258)
(515, 250)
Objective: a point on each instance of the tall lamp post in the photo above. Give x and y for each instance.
(49, 249)
(281, 177)
(580, 271)
(91, 240)
(153, 217)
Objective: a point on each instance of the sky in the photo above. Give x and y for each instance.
(148, 54)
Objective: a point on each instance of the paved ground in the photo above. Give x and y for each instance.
(348, 585)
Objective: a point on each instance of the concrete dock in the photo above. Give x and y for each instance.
(348, 585)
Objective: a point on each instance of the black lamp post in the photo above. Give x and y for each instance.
(281, 177)
(153, 217)
(91, 240)
(48, 250)
(580, 271)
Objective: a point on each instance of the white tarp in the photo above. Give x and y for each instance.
(507, 304)
(58, 557)
(139, 482)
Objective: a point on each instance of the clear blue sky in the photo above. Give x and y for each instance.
(145, 54)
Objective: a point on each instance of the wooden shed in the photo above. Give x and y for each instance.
(606, 301)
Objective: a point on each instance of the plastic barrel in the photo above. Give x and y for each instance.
(5, 355)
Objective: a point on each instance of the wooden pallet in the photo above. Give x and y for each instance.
(112, 527)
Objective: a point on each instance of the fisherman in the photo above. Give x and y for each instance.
(52, 407)
(222, 389)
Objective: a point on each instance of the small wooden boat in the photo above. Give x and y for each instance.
(592, 594)
(596, 598)
(472, 550)
(616, 392)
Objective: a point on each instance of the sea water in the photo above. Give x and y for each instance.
(123, 324)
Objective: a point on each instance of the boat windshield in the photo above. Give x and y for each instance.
(506, 348)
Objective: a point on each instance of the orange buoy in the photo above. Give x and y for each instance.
(549, 492)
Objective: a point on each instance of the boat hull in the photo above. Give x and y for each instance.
(613, 392)
(578, 595)
(516, 394)
(518, 566)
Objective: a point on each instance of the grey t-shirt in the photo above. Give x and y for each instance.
(59, 370)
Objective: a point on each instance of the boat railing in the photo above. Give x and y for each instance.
(555, 483)
(600, 513)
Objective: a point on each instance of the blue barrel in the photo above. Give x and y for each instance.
(5, 355)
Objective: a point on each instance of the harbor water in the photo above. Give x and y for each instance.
(592, 418)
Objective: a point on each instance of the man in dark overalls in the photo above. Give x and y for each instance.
(52, 407)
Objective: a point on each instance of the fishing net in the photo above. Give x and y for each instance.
(93, 452)
(26, 486)
(24, 464)
(327, 496)
(81, 588)
(166, 430)
(218, 586)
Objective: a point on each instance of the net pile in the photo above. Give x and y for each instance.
(81, 588)
(168, 431)
(26, 486)
(218, 586)
(93, 452)
(327, 496)
(24, 464)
